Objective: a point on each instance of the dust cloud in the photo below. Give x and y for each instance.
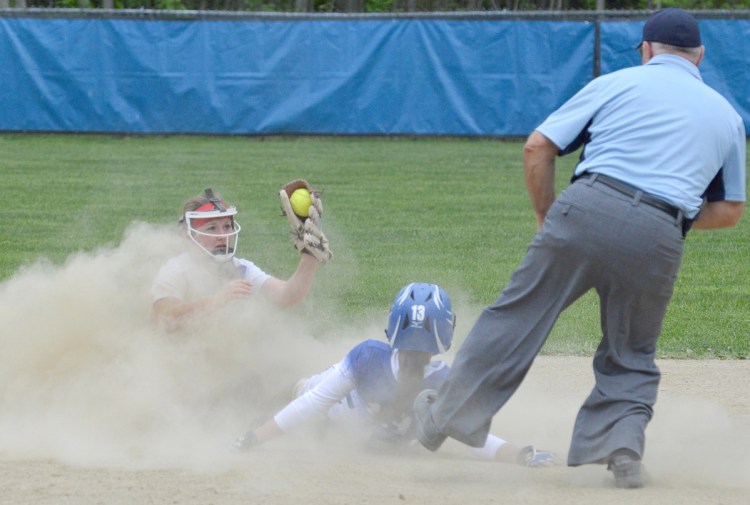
(699, 435)
(695, 440)
(88, 378)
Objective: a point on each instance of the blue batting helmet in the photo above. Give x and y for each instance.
(421, 319)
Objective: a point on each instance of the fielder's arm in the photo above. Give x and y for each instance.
(173, 310)
(292, 291)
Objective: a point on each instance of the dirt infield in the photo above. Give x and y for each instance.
(698, 452)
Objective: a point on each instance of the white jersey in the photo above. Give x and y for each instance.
(190, 277)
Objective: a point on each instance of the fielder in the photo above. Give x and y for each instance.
(372, 389)
(208, 275)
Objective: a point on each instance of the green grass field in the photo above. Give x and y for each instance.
(450, 211)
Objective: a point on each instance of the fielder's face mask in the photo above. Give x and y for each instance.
(223, 245)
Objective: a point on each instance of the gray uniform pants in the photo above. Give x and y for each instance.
(593, 237)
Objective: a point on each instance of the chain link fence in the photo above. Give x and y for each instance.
(355, 6)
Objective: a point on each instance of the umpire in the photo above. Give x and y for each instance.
(661, 152)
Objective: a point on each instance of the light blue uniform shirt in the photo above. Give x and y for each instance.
(657, 127)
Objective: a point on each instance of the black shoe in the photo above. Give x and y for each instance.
(627, 468)
(424, 426)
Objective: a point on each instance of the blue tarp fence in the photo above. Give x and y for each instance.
(332, 76)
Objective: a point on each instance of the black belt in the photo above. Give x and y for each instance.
(633, 192)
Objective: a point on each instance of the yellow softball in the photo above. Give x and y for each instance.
(301, 202)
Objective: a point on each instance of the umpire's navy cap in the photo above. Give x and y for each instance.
(672, 26)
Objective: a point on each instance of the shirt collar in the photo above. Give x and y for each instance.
(676, 61)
